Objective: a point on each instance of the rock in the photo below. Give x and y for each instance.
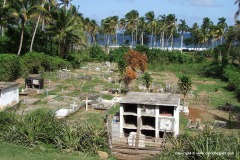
(102, 155)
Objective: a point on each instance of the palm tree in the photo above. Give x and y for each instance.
(66, 29)
(206, 25)
(222, 23)
(162, 29)
(122, 27)
(94, 30)
(65, 3)
(43, 15)
(131, 22)
(142, 27)
(150, 17)
(238, 11)
(22, 11)
(197, 36)
(171, 23)
(109, 25)
(182, 27)
(91, 28)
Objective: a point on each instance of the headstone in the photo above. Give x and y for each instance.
(73, 105)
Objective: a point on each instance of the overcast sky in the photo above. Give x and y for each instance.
(190, 10)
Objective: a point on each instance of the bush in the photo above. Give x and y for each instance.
(82, 136)
(11, 67)
(36, 62)
(117, 54)
(41, 126)
(75, 59)
(56, 63)
(214, 70)
(96, 53)
(39, 62)
(199, 57)
(165, 57)
(207, 144)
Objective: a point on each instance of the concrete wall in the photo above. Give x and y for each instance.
(9, 96)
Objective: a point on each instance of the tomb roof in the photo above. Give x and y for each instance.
(5, 85)
(151, 98)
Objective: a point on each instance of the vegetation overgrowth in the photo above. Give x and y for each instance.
(41, 127)
(41, 36)
(207, 144)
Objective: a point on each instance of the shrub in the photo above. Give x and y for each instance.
(11, 67)
(39, 62)
(36, 62)
(233, 76)
(117, 54)
(36, 127)
(82, 136)
(207, 144)
(56, 63)
(199, 57)
(41, 126)
(96, 53)
(75, 59)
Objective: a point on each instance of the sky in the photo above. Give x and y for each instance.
(190, 10)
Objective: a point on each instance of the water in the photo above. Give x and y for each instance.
(121, 40)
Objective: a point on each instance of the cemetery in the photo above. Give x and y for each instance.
(144, 117)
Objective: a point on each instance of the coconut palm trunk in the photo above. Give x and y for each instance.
(132, 40)
(162, 40)
(34, 33)
(21, 41)
(181, 42)
(2, 28)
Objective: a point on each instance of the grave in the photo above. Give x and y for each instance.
(34, 82)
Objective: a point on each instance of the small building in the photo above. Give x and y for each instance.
(34, 82)
(155, 114)
(9, 94)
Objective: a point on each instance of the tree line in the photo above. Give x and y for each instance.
(57, 28)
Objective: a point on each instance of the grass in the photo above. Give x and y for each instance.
(215, 89)
(182, 122)
(107, 96)
(114, 110)
(11, 151)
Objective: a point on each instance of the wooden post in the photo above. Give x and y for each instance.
(139, 122)
(86, 103)
(229, 117)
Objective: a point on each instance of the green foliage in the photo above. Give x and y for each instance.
(232, 74)
(39, 62)
(82, 136)
(75, 58)
(214, 70)
(3, 44)
(96, 53)
(41, 127)
(147, 79)
(36, 62)
(165, 57)
(36, 127)
(142, 48)
(207, 144)
(185, 84)
(11, 67)
(199, 57)
(117, 54)
(121, 66)
(56, 63)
